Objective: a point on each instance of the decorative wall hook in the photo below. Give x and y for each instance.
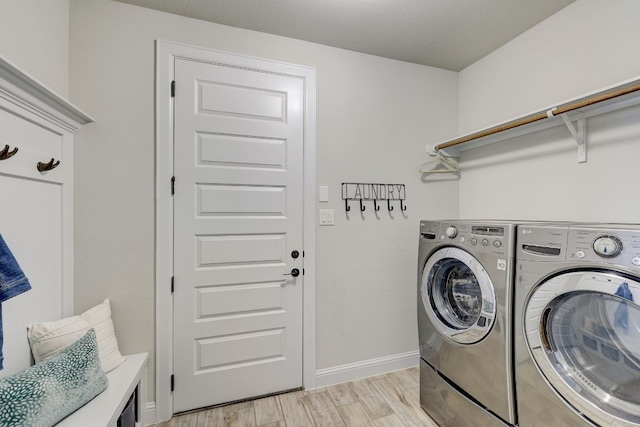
(5, 153)
(43, 167)
(374, 192)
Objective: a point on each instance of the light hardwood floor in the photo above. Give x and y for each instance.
(389, 400)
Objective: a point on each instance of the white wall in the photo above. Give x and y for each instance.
(34, 35)
(373, 118)
(588, 45)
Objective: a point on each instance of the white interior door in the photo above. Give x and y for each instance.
(238, 205)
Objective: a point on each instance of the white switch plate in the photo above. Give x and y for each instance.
(326, 217)
(323, 194)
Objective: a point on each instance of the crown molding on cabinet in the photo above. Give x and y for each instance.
(18, 87)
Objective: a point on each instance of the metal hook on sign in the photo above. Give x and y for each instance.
(389, 205)
(362, 206)
(375, 205)
(346, 205)
(402, 206)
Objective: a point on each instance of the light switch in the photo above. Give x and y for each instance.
(326, 217)
(323, 194)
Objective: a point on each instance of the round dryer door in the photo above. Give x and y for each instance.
(458, 295)
(583, 332)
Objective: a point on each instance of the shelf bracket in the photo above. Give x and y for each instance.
(433, 152)
(579, 134)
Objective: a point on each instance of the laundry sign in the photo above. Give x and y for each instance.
(375, 192)
(356, 191)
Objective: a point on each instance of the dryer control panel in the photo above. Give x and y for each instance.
(615, 245)
(598, 243)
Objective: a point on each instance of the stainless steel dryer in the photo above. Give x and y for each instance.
(465, 322)
(577, 340)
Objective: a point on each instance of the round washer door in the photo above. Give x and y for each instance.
(458, 295)
(583, 333)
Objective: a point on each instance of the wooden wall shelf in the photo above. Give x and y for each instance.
(622, 95)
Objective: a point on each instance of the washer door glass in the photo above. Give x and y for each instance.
(588, 335)
(458, 295)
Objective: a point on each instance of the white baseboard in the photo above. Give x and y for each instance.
(149, 416)
(366, 368)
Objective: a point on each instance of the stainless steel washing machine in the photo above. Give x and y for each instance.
(577, 335)
(465, 274)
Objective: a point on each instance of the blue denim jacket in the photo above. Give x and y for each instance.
(13, 282)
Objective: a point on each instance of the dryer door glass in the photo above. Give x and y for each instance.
(458, 295)
(589, 337)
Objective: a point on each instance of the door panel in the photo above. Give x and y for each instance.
(249, 102)
(242, 151)
(242, 200)
(238, 155)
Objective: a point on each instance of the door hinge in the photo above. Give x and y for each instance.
(172, 283)
(173, 382)
(173, 185)
(173, 88)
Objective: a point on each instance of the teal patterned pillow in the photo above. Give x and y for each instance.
(45, 393)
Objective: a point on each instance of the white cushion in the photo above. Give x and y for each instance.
(48, 338)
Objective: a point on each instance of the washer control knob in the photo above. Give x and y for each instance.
(485, 242)
(607, 246)
(635, 260)
(497, 243)
(474, 241)
(451, 232)
(580, 254)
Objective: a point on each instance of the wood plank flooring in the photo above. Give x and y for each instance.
(388, 400)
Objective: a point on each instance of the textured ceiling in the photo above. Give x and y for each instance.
(449, 34)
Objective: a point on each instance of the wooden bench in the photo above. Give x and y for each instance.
(105, 409)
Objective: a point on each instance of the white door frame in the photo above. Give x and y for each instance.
(166, 52)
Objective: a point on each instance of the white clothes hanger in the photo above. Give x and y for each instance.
(442, 164)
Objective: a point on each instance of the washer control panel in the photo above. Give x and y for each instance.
(481, 237)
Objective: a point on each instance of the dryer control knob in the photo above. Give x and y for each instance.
(451, 232)
(607, 246)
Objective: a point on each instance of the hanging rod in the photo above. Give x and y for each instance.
(599, 97)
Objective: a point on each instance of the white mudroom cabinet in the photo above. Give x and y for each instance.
(36, 204)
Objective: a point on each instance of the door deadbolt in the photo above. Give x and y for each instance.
(294, 272)
(295, 254)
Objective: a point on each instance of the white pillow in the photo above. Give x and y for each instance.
(48, 338)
